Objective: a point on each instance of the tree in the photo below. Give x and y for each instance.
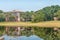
(57, 14)
(38, 16)
(1, 11)
(26, 16)
(2, 17)
(49, 11)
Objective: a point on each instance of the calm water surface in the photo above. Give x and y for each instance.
(32, 37)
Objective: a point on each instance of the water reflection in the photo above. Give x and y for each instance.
(32, 37)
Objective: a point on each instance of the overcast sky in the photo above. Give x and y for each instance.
(26, 5)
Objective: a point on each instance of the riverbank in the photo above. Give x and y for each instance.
(27, 24)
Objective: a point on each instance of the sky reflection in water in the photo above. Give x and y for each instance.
(32, 37)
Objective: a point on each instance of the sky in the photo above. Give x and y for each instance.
(26, 5)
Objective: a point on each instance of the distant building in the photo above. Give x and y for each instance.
(55, 18)
(17, 18)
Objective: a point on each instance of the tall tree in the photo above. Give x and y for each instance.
(39, 16)
(57, 14)
(49, 11)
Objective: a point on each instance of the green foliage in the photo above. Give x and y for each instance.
(49, 11)
(57, 14)
(45, 14)
(26, 16)
(38, 16)
(12, 18)
(1, 11)
(2, 17)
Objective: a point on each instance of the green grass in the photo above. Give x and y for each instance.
(26, 24)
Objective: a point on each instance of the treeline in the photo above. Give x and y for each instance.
(45, 14)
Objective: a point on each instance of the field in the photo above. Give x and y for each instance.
(26, 24)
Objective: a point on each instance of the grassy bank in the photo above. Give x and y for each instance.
(26, 24)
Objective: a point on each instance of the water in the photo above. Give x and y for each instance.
(32, 37)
